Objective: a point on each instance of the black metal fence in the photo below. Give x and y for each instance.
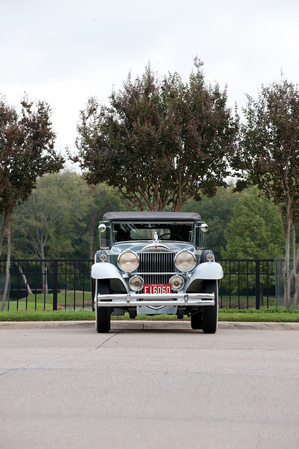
(50, 284)
(62, 284)
(247, 283)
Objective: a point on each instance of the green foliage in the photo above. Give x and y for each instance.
(98, 199)
(61, 216)
(159, 142)
(26, 153)
(43, 226)
(26, 150)
(254, 231)
(268, 157)
(216, 212)
(269, 145)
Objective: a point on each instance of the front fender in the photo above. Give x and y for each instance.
(105, 270)
(206, 271)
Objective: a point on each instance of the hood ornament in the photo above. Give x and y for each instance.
(156, 239)
(155, 244)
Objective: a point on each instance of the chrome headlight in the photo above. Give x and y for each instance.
(185, 260)
(136, 283)
(128, 261)
(177, 283)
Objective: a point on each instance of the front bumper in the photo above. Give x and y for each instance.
(165, 299)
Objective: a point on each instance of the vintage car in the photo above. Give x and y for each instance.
(155, 263)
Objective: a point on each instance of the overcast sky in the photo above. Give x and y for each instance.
(63, 52)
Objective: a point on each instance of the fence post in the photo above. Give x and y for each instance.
(257, 284)
(55, 283)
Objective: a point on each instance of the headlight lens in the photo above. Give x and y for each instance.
(128, 261)
(177, 283)
(136, 283)
(185, 260)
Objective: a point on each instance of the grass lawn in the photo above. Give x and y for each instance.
(65, 300)
(224, 315)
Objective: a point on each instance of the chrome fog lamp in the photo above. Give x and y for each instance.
(128, 261)
(103, 257)
(210, 257)
(185, 260)
(136, 283)
(177, 283)
(100, 256)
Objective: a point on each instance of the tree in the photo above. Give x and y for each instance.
(254, 231)
(99, 199)
(26, 153)
(268, 157)
(60, 218)
(159, 142)
(216, 212)
(39, 221)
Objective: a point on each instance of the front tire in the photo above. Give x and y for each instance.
(103, 313)
(210, 313)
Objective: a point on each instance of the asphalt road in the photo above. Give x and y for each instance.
(149, 388)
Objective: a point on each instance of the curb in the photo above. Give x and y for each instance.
(143, 325)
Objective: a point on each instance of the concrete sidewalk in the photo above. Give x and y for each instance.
(141, 325)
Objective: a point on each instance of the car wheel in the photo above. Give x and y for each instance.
(103, 313)
(196, 320)
(210, 313)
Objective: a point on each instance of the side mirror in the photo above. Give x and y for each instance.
(102, 227)
(204, 227)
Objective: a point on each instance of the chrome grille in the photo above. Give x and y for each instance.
(160, 262)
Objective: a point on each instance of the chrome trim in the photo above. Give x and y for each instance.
(156, 308)
(163, 299)
(152, 273)
(155, 246)
(156, 267)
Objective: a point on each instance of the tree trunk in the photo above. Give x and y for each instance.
(295, 268)
(45, 290)
(296, 294)
(45, 278)
(2, 232)
(6, 293)
(29, 291)
(286, 272)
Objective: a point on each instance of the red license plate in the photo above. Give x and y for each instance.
(157, 288)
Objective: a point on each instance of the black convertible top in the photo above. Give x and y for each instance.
(151, 216)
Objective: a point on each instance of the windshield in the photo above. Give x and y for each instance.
(130, 231)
